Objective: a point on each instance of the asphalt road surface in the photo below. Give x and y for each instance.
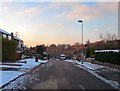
(57, 74)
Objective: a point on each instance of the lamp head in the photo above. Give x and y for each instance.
(80, 21)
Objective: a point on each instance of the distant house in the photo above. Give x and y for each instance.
(108, 45)
(9, 36)
(33, 49)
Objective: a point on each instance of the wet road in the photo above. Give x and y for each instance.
(57, 74)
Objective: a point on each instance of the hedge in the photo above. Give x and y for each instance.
(9, 48)
(90, 52)
(110, 57)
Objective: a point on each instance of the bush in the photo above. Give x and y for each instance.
(9, 48)
(90, 52)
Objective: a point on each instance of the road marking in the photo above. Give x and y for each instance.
(82, 87)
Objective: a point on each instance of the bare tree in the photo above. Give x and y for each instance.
(88, 42)
(17, 34)
(77, 44)
(114, 37)
(108, 36)
(101, 36)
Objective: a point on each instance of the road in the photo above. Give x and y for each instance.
(57, 74)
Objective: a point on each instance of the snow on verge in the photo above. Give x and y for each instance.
(90, 65)
(87, 64)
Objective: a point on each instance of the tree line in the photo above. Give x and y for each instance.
(69, 50)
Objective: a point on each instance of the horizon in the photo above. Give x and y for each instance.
(57, 22)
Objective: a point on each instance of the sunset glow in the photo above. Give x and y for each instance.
(57, 22)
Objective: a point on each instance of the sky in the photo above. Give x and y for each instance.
(57, 22)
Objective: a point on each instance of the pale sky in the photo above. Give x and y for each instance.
(57, 22)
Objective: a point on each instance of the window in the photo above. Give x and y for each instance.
(9, 37)
(4, 36)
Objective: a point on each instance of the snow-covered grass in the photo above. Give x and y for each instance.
(7, 76)
(91, 68)
(30, 63)
(7, 66)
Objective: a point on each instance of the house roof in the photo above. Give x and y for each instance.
(3, 31)
(17, 38)
(97, 43)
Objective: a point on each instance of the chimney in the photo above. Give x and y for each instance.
(12, 35)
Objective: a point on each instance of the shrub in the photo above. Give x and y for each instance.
(90, 52)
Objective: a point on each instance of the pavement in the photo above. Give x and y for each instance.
(57, 74)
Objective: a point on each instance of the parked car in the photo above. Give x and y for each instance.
(62, 57)
(46, 58)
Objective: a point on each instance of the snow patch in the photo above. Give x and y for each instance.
(107, 51)
(90, 65)
(7, 76)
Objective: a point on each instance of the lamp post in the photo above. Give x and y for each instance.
(82, 39)
(82, 29)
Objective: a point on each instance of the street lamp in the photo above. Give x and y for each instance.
(82, 39)
(82, 29)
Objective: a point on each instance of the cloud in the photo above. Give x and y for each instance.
(23, 10)
(29, 12)
(108, 7)
(49, 27)
(11, 13)
(51, 22)
(68, 10)
(59, 0)
(107, 0)
(86, 12)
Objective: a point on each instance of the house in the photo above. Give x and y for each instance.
(9, 36)
(108, 45)
(33, 50)
(20, 43)
(4, 34)
(98, 44)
